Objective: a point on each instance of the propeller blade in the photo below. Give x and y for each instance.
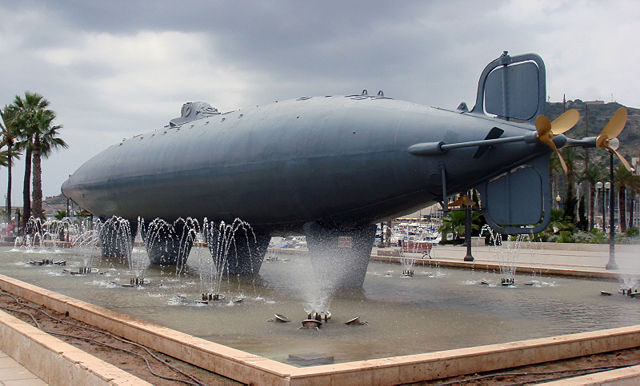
(565, 122)
(616, 124)
(548, 140)
(624, 161)
(543, 126)
(602, 140)
(562, 163)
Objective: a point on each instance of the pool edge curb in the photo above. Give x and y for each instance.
(55, 361)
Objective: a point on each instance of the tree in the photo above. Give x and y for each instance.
(9, 134)
(45, 140)
(622, 179)
(555, 173)
(4, 158)
(454, 223)
(572, 156)
(28, 112)
(592, 176)
(634, 188)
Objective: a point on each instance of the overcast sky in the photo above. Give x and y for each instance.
(112, 69)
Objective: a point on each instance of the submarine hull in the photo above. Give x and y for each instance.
(339, 160)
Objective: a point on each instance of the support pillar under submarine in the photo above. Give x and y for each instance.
(340, 257)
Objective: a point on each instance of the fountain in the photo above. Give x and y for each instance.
(406, 260)
(116, 239)
(437, 311)
(286, 285)
(48, 236)
(408, 264)
(505, 253)
(220, 240)
(40, 234)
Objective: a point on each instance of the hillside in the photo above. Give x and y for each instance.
(599, 115)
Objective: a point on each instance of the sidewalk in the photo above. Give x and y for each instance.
(593, 258)
(13, 374)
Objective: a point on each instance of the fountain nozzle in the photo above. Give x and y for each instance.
(207, 297)
(507, 281)
(322, 316)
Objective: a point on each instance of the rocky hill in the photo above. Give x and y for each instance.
(599, 115)
(54, 204)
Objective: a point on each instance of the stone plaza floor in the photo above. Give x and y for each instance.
(14, 374)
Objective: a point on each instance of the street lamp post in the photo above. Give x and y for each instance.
(580, 205)
(612, 238)
(599, 186)
(467, 232)
(605, 191)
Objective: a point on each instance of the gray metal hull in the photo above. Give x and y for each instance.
(339, 160)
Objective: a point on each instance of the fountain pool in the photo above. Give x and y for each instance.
(436, 309)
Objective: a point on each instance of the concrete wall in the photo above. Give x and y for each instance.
(54, 361)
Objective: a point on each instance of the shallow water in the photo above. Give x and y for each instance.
(436, 309)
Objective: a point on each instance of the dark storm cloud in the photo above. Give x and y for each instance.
(294, 41)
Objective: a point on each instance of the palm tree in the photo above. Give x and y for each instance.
(572, 156)
(634, 188)
(25, 120)
(622, 178)
(45, 140)
(454, 223)
(555, 172)
(592, 176)
(8, 131)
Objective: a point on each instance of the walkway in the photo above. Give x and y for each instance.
(13, 374)
(581, 257)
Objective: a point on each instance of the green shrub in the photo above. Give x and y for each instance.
(598, 237)
(632, 232)
(565, 237)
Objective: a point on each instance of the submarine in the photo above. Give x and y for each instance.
(330, 167)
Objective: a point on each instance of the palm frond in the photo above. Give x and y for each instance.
(4, 158)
